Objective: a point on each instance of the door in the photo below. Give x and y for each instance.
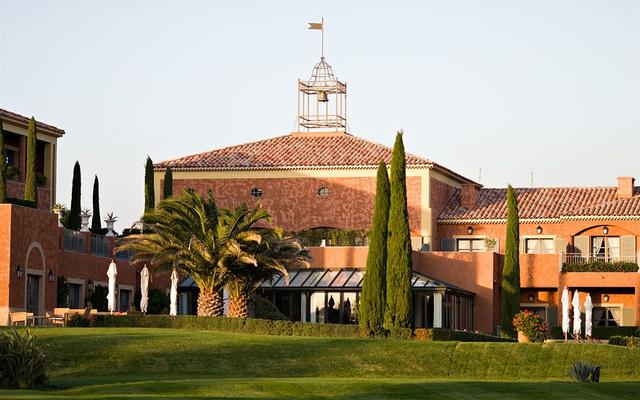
(125, 300)
(33, 294)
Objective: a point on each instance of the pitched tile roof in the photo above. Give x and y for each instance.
(545, 203)
(9, 116)
(295, 151)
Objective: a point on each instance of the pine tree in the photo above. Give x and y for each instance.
(3, 182)
(96, 223)
(73, 220)
(30, 188)
(168, 183)
(373, 295)
(399, 307)
(149, 195)
(510, 304)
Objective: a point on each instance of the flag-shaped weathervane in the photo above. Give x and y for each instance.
(320, 27)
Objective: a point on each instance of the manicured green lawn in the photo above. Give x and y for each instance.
(164, 363)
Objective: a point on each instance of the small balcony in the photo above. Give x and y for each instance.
(578, 262)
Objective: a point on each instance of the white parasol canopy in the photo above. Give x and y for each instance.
(144, 289)
(577, 321)
(566, 319)
(173, 309)
(112, 272)
(588, 315)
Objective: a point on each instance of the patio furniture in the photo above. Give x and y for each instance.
(58, 318)
(21, 316)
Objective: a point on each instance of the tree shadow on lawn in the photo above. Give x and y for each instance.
(337, 389)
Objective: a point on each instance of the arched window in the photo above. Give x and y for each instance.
(323, 192)
(256, 192)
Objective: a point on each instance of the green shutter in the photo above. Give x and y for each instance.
(628, 248)
(561, 246)
(447, 245)
(581, 245)
(627, 317)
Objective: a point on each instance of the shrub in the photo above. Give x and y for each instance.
(584, 372)
(601, 266)
(11, 172)
(534, 327)
(99, 297)
(602, 332)
(23, 362)
(62, 292)
(628, 341)
(447, 335)
(78, 321)
(21, 202)
(264, 309)
(334, 237)
(617, 340)
(41, 179)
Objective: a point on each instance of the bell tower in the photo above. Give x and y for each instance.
(322, 100)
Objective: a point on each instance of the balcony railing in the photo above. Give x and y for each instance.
(73, 241)
(578, 262)
(100, 245)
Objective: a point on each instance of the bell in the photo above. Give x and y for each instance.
(322, 96)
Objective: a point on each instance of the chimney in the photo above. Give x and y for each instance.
(470, 195)
(625, 187)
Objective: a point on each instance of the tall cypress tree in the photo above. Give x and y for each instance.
(510, 304)
(399, 307)
(373, 295)
(73, 220)
(96, 223)
(149, 195)
(3, 182)
(30, 189)
(168, 183)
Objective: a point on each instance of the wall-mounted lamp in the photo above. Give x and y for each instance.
(531, 298)
(605, 298)
(470, 230)
(19, 272)
(51, 276)
(539, 230)
(90, 284)
(605, 230)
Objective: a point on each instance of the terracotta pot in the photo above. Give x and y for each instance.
(522, 338)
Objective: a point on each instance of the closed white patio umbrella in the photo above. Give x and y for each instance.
(173, 309)
(566, 319)
(577, 320)
(112, 272)
(588, 316)
(144, 289)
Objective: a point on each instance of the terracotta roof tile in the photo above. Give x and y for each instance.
(294, 151)
(546, 203)
(21, 119)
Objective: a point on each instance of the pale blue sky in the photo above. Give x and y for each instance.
(507, 86)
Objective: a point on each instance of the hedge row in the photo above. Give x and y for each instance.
(21, 202)
(600, 266)
(629, 341)
(280, 328)
(602, 332)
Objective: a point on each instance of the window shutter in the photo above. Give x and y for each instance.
(447, 245)
(581, 245)
(627, 317)
(561, 246)
(523, 245)
(628, 248)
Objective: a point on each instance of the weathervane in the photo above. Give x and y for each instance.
(315, 95)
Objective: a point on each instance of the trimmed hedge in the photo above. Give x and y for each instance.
(629, 341)
(602, 332)
(601, 266)
(21, 202)
(280, 327)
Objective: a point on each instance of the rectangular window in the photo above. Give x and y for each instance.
(607, 316)
(470, 245)
(74, 295)
(540, 246)
(606, 247)
(125, 300)
(11, 157)
(539, 311)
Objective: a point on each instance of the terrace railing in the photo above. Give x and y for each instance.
(580, 262)
(73, 241)
(100, 245)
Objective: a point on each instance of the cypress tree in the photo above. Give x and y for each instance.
(510, 304)
(30, 190)
(3, 182)
(399, 307)
(149, 195)
(96, 223)
(73, 220)
(372, 297)
(168, 183)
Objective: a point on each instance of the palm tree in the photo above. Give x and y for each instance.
(184, 233)
(251, 263)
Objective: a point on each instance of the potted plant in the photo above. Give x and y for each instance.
(530, 327)
(110, 220)
(85, 215)
(11, 172)
(59, 210)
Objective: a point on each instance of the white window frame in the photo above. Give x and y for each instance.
(469, 237)
(527, 237)
(612, 305)
(76, 281)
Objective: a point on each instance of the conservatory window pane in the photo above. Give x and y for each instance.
(313, 279)
(283, 281)
(355, 279)
(270, 282)
(342, 278)
(299, 278)
(327, 278)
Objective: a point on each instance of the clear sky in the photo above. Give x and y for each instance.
(511, 87)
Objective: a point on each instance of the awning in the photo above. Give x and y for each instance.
(343, 279)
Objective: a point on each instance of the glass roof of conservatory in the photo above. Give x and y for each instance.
(344, 278)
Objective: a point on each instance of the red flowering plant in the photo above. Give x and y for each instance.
(531, 325)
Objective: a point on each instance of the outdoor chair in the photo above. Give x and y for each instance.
(58, 316)
(21, 316)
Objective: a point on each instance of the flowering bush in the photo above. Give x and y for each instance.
(534, 327)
